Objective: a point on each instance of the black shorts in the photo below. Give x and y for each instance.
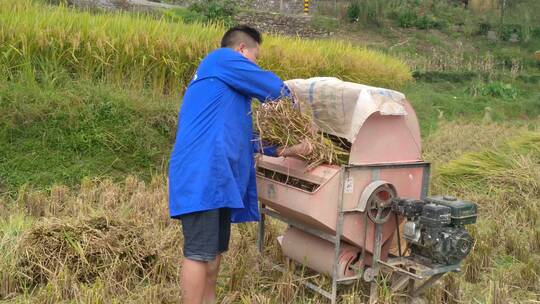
(206, 233)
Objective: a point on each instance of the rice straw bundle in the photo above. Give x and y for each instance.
(86, 249)
(512, 168)
(286, 124)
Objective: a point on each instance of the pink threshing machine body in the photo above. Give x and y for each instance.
(337, 225)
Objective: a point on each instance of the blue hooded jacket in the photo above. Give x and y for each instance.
(212, 164)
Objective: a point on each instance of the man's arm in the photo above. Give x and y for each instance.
(250, 80)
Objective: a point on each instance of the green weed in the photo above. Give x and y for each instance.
(452, 101)
(183, 15)
(353, 12)
(494, 89)
(215, 11)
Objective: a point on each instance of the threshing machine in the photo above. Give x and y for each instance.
(372, 216)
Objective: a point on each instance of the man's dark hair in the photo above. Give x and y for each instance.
(241, 33)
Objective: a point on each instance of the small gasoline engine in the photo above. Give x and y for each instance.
(435, 227)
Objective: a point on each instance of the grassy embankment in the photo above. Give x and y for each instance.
(93, 109)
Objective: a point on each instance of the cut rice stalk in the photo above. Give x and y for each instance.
(286, 124)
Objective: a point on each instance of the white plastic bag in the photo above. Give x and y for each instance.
(340, 108)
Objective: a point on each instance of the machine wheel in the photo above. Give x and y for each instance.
(369, 274)
(379, 204)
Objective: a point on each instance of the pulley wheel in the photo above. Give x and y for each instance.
(379, 204)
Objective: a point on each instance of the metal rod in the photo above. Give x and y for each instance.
(260, 238)
(378, 245)
(416, 292)
(388, 166)
(398, 235)
(374, 290)
(339, 228)
(311, 286)
(425, 181)
(349, 279)
(399, 283)
(363, 254)
(402, 271)
(442, 269)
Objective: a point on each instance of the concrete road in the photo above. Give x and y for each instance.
(152, 4)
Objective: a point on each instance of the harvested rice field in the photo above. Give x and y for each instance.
(112, 242)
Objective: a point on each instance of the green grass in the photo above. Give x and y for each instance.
(182, 15)
(96, 95)
(61, 122)
(454, 100)
(325, 23)
(61, 134)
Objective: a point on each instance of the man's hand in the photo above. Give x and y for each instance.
(304, 148)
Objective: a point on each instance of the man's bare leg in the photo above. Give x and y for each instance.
(212, 271)
(193, 281)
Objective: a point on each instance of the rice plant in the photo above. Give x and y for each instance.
(141, 52)
(512, 167)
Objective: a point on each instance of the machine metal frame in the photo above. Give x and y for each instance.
(408, 272)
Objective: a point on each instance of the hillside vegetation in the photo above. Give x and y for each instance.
(60, 131)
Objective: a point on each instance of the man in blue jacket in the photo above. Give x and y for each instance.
(212, 170)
